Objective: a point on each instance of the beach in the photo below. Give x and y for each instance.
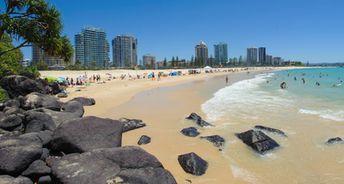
(164, 114)
(163, 106)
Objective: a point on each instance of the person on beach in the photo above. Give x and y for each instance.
(227, 79)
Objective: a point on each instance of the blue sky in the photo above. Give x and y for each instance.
(307, 30)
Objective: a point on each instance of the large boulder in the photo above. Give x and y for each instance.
(258, 141)
(45, 180)
(269, 129)
(5, 179)
(86, 134)
(37, 100)
(85, 101)
(12, 103)
(144, 140)
(58, 117)
(37, 169)
(147, 175)
(109, 165)
(74, 107)
(17, 85)
(335, 140)
(11, 122)
(38, 121)
(131, 124)
(17, 153)
(198, 120)
(217, 140)
(193, 164)
(44, 137)
(190, 132)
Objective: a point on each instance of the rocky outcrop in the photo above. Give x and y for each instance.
(36, 170)
(5, 179)
(57, 116)
(85, 101)
(335, 140)
(37, 100)
(16, 154)
(217, 140)
(11, 122)
(190, 132)
(85, 134)
(19, 85)
(125, 164)
(272, 130)
(193, 164)
(144, 140)
(131, 124)
(258, 141)
(38, 121)
(74, 107)
(198, 120)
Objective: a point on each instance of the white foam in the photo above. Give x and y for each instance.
(244, 97)
(326, 114)
(243, 174)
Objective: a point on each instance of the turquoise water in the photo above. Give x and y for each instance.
(310, 114)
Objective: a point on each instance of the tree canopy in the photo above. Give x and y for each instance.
(34, 22)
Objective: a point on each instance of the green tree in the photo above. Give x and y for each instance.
(173, 62)
(9, 62)
(165, 62)
(34, 22)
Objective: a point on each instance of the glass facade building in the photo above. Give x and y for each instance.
(221, 53)
(92, 48)
(124, 50)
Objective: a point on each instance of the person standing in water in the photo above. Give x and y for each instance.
(227, 79)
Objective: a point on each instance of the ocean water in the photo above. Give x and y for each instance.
(310, 110)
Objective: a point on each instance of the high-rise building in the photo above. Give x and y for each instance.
(124, 50)
(201, 52)
(38, 55)
(221, 53)
(148, 60)
(262, 55)
(269, 60)
(252, 56)
(92, 47)
(277, 61)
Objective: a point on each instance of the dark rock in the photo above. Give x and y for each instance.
(217, 140)
(38, 121)
(273, 130)
(19, 85)
(5, 179)
(191, 132)
(13, 110)
(36, 169)
(11, 122)
(110, 161)
(199, 121)
(144, 140)
(55, 88)
(44, 137)
(74, 107)
(147, 175)
(12, 103)
(2, 106)
(85, 101)
(131, 124)
(45, 180)
(193, 164)
(85, 134)
(62, 95)
(257, 140)
(335, 140)
(58, 117)
(16, 154)
(45, 154)
(37, 100)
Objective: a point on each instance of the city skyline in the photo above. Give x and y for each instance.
(293, 30)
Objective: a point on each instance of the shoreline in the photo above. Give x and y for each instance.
(141, 99)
